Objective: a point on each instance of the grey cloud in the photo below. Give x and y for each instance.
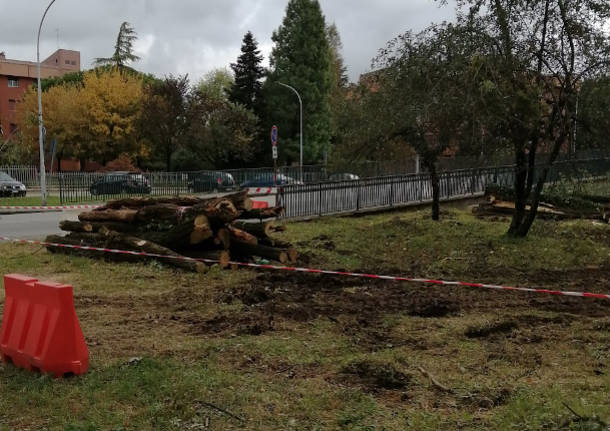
(195, 36)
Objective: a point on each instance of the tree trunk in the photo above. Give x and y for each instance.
(242, 236)
(221, 257)
(93, 227)
(259, 230)
(435, 182)
(121, 242)
(123, 216)
(247, 250)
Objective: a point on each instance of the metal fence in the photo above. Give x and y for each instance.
(28, 175)
(326, 198)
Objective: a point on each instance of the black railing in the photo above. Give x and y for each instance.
(326, 198)
(316, 195)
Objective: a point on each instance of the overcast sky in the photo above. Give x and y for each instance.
(195, 36)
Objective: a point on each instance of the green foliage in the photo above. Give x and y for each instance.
(72, 78)
(300, 58)
(163, 122)
(216, 84)
(593, 122)
(220, 133)
(123, 48)
(248, 72)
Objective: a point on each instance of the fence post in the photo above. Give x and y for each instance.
(358, 196)
(60, 182)
(391, 192)
(320, 201)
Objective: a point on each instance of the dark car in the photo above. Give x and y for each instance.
(266, 180)
(204, 182)
(115, 183)
(10, 186)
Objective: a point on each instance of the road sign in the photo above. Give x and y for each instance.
(274, 152)
(274, 136)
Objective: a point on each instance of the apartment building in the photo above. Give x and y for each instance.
(17, 75)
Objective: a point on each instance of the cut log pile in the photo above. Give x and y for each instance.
(218, 229)
(499, 202)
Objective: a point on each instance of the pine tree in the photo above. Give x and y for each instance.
(248, 74)
(123, 49)
(300, 58)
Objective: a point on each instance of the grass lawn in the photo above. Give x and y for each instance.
(281, 351)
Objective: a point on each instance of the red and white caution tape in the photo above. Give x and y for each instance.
(262, 191)
(321, 271)
(49, 208)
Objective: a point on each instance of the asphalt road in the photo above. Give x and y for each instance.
(34, 225)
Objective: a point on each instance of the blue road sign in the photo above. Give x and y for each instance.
(274, 136)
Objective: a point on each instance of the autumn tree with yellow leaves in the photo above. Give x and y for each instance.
(95, 120)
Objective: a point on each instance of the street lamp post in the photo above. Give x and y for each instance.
(43, 176)
(301, 126)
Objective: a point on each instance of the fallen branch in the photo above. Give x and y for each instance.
(435, 382)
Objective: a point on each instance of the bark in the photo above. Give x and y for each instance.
(123, 216)
(240, 248)
(242, 236)
(92, 227)
(223, 238)
(435, 181)
(221, 257)
(259, 230)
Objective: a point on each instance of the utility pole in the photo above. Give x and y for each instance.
(301, 127)
(43, 176)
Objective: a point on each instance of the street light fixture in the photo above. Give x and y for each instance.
(301, 126)
(43, 176)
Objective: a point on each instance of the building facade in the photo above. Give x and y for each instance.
(17, 76)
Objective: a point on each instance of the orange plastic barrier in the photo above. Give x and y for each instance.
(40, 330)
(259, 204)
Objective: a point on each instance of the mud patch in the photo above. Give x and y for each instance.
(490, 328)
(376, 375)
(244, 323)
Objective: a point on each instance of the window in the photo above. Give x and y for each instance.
(67, 61)
(11, 104)
(13, 82)
(13, 128)
(73, 63)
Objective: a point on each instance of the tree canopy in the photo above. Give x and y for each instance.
(300, 58)
(123, 48)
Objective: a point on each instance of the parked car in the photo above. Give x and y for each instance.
(10, 186)
(266, 180)
(214, 181)
(343, 177)
(115, 183)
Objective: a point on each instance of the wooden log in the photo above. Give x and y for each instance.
(123, 216)
(241, 200)
(200, 234)
(138, 202)
(292, 255)
(223, 238)
(262, 213)
(92, 227)
(242, 236)
(259, 230)
(122, 242)
(221, 257)
(241, 248)
(75, 226)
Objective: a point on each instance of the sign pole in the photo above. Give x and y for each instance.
(274, 136)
